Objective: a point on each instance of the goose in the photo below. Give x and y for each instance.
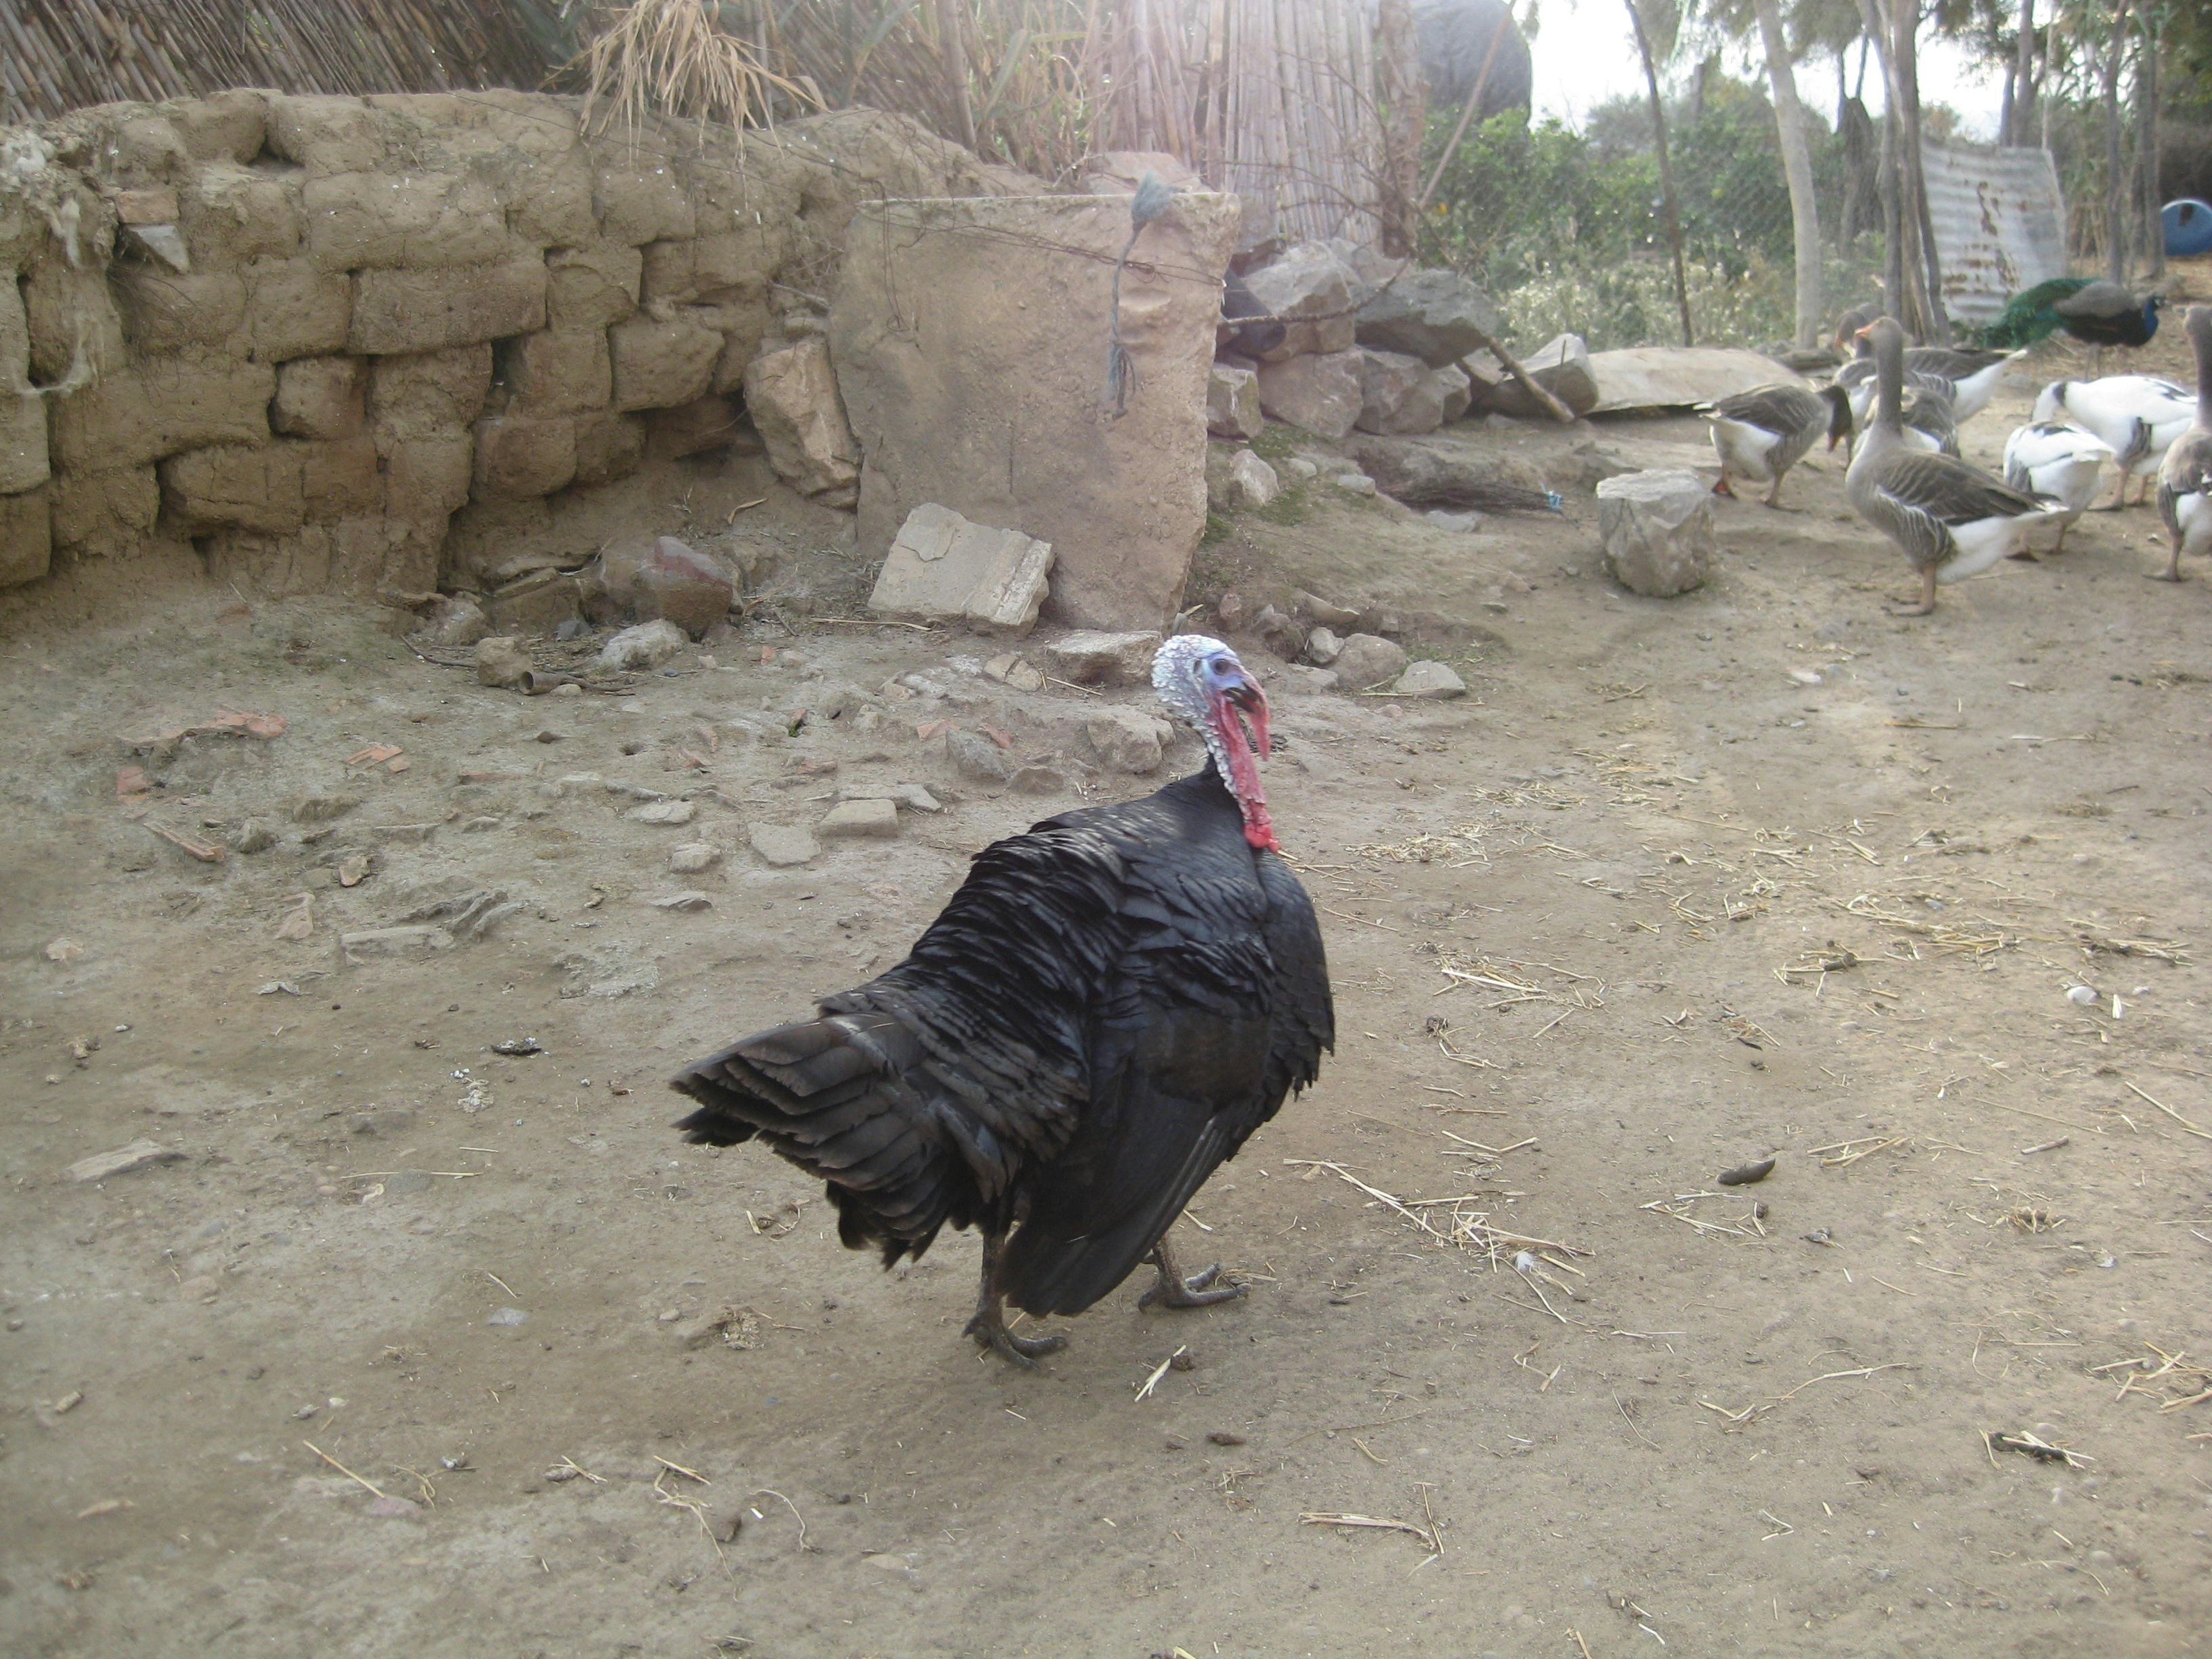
(1949, 520)
(2137, 414)
(1761, 434)
(2057, 459)
(1928, 420)
(1969, 378)
(2184, 477)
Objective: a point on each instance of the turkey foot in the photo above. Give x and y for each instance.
(1172, 1290)
(988, 1326)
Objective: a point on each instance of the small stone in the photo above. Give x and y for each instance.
(1463, 523)
(386, 1507)
(508, 1316)
(675, 584)
(138, 1155)
(1355, 483)
(1368, 659)
(1322, 647)
(648, 645)
(1314, 608)
(859, 817)
(1125, 740)
(1284, 636)
(417, 939)
(62, 949)
(1039, 781)
(784, 845)
(501, 661)
(1302, 469)
(1252, 482)
(1298, 677)
(663, 812)
(914, 795)
(684, 901)
(402, 831)
(1093, 659)
(1232, 404)
(580, 783)
(453, 621)
(1805, 676)
(322, 806)
(693, 856)
(2081, 996)
(975, 755)
(1430, 679)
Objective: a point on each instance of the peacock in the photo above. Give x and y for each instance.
(2095, 312)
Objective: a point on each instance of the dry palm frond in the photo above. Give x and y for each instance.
(674, 57)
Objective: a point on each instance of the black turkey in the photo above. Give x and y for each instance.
(1107, 1007)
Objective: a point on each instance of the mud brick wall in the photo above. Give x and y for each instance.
(369, 345)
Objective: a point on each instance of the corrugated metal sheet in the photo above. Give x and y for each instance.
(2000, 224)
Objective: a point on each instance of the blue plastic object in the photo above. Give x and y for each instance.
(2188, 224)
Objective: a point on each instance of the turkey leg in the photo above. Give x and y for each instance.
(1174, 1291)
(988, 1326)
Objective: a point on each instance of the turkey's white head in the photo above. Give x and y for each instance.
(1202, 683)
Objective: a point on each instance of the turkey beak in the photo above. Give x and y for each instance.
(1249, 702)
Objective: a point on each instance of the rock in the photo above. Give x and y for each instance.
(1387, 381)
(694, 856)
(1039, 781)
(1299, 677)
(507, 1316)
(537, 604)
(1092, 659)
(1309, 287)
(138, 1155)
(1322, 647)
(501, 661)
(1302, 469)
(1562, 366)
(1369, 660)
(253, 835)
(416, 939)
(453, 620)
(1442, 472)
(1657, 529)
(663, 812)
(914, 795)
(1456, 389)
(1314, 608)
(1252, 482)
(675, 584)
(1465, 523)
(1009, 669)
(783, 845)
(1430, 679)
(859, 817)
(685, 901)
(975, 755)
(970, 383)
(1434, 315)
(1282, 636)
(792, 397)
(1677, 377)
(943, 565)
(321, 805)
(1125, 740)
(1319, 394)
(1354, 483)
(648, 645)
(1232, 404)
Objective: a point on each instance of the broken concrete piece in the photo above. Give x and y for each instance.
(1321, 394)
(123, 1160)
(1094, 659)
(1430, 679)
(1435, 315)
(791, 395)
(943, 566)
(1657, 528)
(1232, 404)
(1562, 366)
(1368, 659)
(648, 645)
(501, 661)
(783, 845)
(417, 939)
(848, 818)
(1252, 482)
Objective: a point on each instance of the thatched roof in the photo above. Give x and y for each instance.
(60, 55)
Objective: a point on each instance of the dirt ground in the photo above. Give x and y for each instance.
(414, 1348)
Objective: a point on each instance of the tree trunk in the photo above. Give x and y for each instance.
(953, 45)
(2116, 191)
(1796, 167)
(2147, 96)
(1935, 323)
(2020, 90)
(1894, 298)
(1666, 169)
(1403, 93)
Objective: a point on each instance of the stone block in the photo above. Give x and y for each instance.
(222, 126)
(416, 311)
(325, 135)
(430, 390)
(27, 540)
(523, 455)
(791, 395)
(1091, 658)
(360, 221)
(1657, 529)
(254, 487)
(641, 198)
(23, 464)
(365, 557)
(1562, 366)
(72, 315)
(1232, 404)
(428, 477)
(319, 398)
(697, 427)
(608, 446)
(941, 565)
(558, 371)
(966, 386)
(594, 287)
(661, 365)
(1368, 659)
(783, 845)
(161, 407)
(154, 206)
(103, 513)
(853, 818)
(294, 310)
(339, 478)
(1321, 394)
(164, 311)
(702, 265)
(14, 332)
(1437, 316)
(231, 213)
(1309, 287)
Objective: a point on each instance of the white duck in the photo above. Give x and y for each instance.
(2136, 414)
(2056, 458)
(2185, 476)
(1761, 434)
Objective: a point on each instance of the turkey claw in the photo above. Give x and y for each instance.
(1023, 1350)
(1169, 1292)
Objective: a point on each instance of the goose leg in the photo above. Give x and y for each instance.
(988, 1326)
(1927, 597)
(2172, 571)
(1774, 495)
(1174, 1291)
(2059, 546)
(1722, 488)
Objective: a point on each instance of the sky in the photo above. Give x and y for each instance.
(1584, 55)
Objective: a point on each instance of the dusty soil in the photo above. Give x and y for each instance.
(1760, 871)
